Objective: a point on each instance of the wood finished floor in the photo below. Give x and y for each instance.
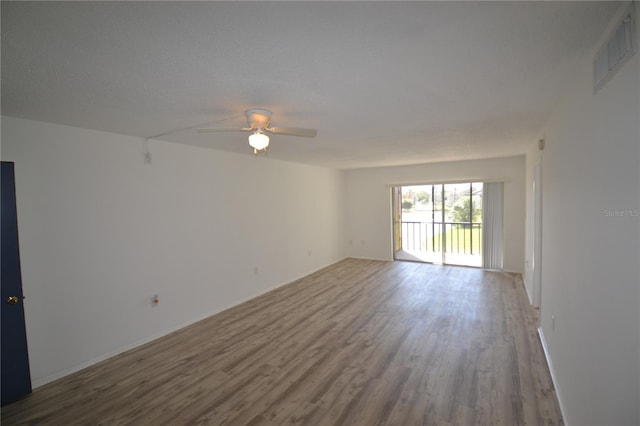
(358, 343)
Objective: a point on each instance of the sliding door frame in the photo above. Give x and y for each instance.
(436, 223)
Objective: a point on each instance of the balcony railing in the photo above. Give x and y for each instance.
(450, 237)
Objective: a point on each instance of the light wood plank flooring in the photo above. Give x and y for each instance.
(358, 343)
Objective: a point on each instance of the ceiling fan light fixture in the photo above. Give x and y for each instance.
(258, 141)
(259, 122)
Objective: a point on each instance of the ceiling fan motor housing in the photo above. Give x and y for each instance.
(258, 118)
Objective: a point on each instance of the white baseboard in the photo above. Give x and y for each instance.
(60, 374)
(369, 258)
(553, 376)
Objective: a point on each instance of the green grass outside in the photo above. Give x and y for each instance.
(457, 240)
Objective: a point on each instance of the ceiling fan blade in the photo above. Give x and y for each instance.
(293, 131)
(222, 130)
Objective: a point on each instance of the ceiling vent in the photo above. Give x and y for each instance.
(616, 51)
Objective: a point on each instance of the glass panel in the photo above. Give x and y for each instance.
(457, 221)
(441, 223)
(476, 193)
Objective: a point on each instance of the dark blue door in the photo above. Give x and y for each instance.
(16, 379)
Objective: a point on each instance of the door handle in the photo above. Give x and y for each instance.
(13, 300)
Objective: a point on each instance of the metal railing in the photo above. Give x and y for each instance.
(450, 237)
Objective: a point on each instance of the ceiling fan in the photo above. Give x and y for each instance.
(259, 122)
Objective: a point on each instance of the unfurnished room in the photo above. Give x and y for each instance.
(320, 213)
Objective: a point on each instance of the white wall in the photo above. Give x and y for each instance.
(101, 232)
(590, 262)
(533, 156)
(368, 202)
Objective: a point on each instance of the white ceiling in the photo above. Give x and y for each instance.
(385, 83)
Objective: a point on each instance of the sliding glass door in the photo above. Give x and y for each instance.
(439, 223)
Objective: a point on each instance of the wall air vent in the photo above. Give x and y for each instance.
(616, 51)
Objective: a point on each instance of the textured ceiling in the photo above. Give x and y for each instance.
(385, 83)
